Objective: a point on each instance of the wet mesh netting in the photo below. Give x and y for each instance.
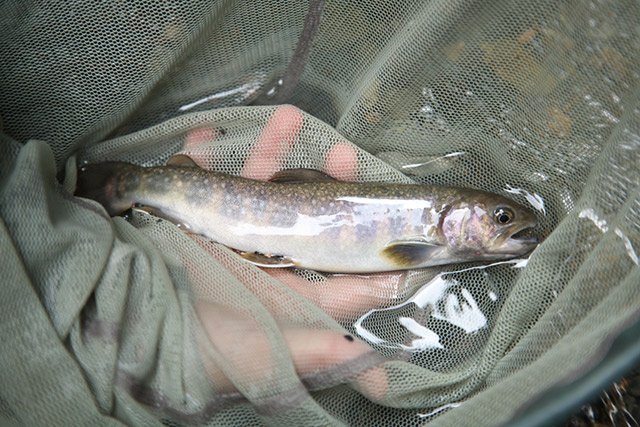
(134, 320)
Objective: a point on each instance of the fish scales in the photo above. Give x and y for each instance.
(285, 219)
(329, 226)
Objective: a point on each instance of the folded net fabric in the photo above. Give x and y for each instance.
(134, 320)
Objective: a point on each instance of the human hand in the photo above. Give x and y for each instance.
(246, 348)
(343, 297)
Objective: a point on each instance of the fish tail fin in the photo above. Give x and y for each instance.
(100, 181)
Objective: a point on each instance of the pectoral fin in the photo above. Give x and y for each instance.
(262, 260)
(149, 210)
(300, 175)
(410, 252)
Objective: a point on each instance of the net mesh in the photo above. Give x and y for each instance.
(133, 320)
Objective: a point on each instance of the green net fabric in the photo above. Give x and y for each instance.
(104, 319)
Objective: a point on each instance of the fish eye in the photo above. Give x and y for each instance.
(503, 215)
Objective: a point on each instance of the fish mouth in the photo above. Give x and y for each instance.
(518, 240)
(524, 236)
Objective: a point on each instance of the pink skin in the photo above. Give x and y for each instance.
(342, 162)
(461, 228)
(274, 144)
(198, 137)
(342, 297)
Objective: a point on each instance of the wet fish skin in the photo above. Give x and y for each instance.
(328, 226)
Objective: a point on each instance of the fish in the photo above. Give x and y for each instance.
(304, 218)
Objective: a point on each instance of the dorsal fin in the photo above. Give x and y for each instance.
(300, 175)
(182, 160)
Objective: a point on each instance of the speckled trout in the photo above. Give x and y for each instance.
(307, 219)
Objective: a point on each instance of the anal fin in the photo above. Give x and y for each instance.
(262, 260)
(150, 210)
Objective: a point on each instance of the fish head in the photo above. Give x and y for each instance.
(479, 226)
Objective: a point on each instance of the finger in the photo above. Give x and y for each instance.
(345, 297)
(246, 352)
(342, 162)
(277, 138)
(207, 315)
(273, 295)
(195, 143)
(313, 351)
(200, 136)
